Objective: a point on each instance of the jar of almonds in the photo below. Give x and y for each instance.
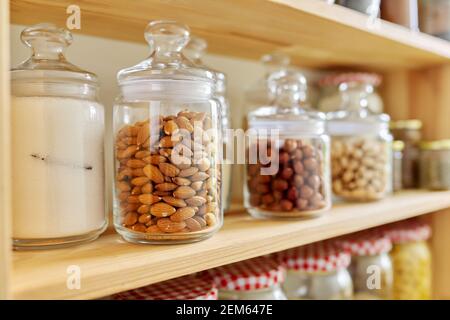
(167, 130)
(361, 148)
(288, 154)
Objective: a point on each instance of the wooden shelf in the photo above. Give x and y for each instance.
(110, 265)
(314, 33)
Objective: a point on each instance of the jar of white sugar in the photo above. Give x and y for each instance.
(57, 149)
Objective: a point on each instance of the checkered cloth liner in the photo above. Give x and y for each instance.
(407, 231)
(184, 288)
(324, 256)
(253, 274)
(353, 77)
(366, 243)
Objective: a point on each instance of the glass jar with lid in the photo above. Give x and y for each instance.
(287, 174)
(371, 266)
(167, 131)
(333, 98)
(195, 51)
(409, 131)
(254, 279)
(317, 271)
(361, 147)
(189, 287)
(411, 258)
(435, 165)
(397, 158)
(57, 146)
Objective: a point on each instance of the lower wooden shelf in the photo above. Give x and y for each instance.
(111, 265)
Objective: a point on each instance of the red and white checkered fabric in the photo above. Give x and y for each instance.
(366, 243)
(352, 77)
(407, 231)
(253, 274)
(184, 288)
(324, 256)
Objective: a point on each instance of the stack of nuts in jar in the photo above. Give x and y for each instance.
(358, 167)
(167, 182)
(297, 188)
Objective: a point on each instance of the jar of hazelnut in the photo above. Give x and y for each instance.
(167, 132)
(361, 147)
(288, 154)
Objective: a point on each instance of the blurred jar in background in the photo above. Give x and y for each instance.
(397, 158)
(402, 12)
(434, 17)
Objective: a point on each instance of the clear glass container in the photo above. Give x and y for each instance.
(195, 50)
(369, 7)
(287, 174)
(361, 149)
(57, 146)
(435, 165)
(397, 159)
(272, 293)
(434, 17)
(167, 128)
(317, 272)
(409, 131)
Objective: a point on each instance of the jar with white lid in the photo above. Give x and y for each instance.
(195, 51)
(167, 129)
(361, 149)
(57, 146)
(189, 287)
(317, 271)
(288, 154)
(371, 266)
(411, 259)
(254, 279)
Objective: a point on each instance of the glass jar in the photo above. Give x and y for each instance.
(195, 50)
(434, 17)
(317, 271)
(409, 131)
(371, 266)
(255, 279)
(288, 154)
(402, 12)
(369, 7)
(411, 258)
(57, 146)
(435, 165)
(361, 147)
(363, 91)
(189, 287)
(397, 158)
(167, 129)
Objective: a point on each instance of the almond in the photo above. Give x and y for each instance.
(167, 142)
(197, 185)
(153, 229)
(196, 201)
(153, 173)
(166, 225)
(123, 196)
(147, 188)
(200, 220)
(165, 152)
(139, 172)
(129, 131)
(128, 152)
(175, 201)
(199, 176)
(169, 169)
(140, 181)
(143, 134)
(181, 162)
(145, 218)
(193, 225)
(162, 193)
(142, 154)
(166, 186)
(124, 174)
(155, 159)
(139, 227)
(145, 208)
(162, 209)
(203, 164)
(136, 191)
(123, 186)
(149, 198)
(133, 199)
(182, 214)
(181, 181)
(183, 123)
(130, 140)
(188, 172)
(210, 219)
(135, 163)
(184, 192)
(128, 207)
(130, 218)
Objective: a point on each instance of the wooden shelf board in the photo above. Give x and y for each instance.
(111, 265)
(314, 33)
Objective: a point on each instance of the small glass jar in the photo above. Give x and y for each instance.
(369, 7)
(434, 17)
(409, 131)
(57, 146)
(255, 279)
(288, 154)
(397, 159)
(195, 50)
(435, 165)
(411, 258)
(361, 147)
(317, 271)
(189, 287)
(371, 266)
(167, 128)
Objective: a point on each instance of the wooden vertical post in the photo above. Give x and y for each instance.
(5, 163)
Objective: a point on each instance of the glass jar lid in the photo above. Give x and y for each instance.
(167, 69)
(288, 111)
(47, 68)
(398, 145)
(411, 124)
(435, 145)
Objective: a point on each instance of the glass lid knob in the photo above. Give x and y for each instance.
(167, 36)
(288, 87)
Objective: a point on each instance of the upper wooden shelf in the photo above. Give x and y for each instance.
(314, 33)
(110, 265)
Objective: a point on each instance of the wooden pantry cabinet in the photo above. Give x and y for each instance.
(416, 69)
